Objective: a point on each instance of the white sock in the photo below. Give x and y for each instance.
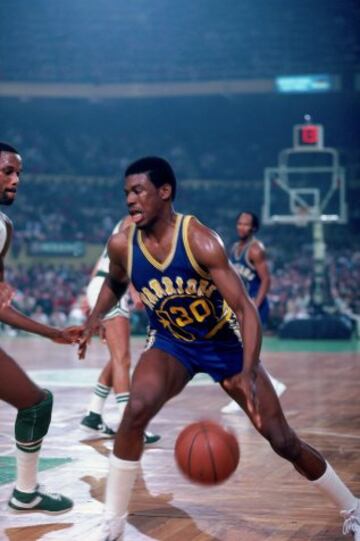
(101, 392)
(333, 487)
(120, 481)
(122, 399)
(26, 470)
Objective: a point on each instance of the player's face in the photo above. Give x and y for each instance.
(244, 226)
(10, 169)
(143, 200)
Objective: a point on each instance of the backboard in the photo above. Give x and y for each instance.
(308, 184)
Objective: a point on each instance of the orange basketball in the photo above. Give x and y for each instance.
(206, 452)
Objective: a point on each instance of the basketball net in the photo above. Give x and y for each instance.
(302, 215)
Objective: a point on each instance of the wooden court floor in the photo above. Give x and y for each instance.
(265, 500)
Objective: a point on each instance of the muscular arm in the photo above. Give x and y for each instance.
(209, 252)
(257, 256)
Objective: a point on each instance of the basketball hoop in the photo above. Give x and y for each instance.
(302, 216)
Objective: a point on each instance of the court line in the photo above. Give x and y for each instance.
(328, 433)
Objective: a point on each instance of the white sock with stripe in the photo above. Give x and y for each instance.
(122, 399)
(120, 482)
(26, 470)
(334, 488)
(101, 392)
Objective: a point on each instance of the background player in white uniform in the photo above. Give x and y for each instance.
(116, 373)
(34, 404)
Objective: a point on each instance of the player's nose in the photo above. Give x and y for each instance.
(15, 179)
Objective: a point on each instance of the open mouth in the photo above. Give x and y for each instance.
(136, 215)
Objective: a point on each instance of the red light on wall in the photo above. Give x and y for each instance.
(310, 135)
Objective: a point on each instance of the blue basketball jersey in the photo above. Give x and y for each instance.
(245, 269)
(249, 276)
(182, 302)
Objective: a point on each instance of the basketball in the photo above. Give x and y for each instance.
(206, 452)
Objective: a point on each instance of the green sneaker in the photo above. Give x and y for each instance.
(92, 422)
(150, 438)
(40, 502)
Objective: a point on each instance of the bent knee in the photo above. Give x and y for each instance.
(139, 411)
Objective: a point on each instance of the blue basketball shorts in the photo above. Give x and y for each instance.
(220, 360)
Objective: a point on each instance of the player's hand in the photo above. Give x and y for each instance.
(6, 294)
(92, 327)
(137, 303)
(246, 383)
(70, 335)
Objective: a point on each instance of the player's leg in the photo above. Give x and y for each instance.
(92, 422)
(157, 378)
(306, 460)
(279, 386)
(34, 407)
(117, 332)
(115, 374)
(118, 340)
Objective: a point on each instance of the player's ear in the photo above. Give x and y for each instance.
(165, 192)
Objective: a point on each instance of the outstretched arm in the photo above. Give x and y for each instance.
(13, 317)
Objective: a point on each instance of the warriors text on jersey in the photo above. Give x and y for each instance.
(181, 299)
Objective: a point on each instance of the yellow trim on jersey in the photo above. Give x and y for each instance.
(189, 253)
(130, 250)
(154, 262)
(225, 318)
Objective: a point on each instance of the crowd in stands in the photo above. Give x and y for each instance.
(55, 294)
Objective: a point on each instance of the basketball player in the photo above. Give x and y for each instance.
(183, 276)
(34, 405)
(249, 259)
(116, 373)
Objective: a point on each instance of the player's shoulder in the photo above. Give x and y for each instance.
(123, 225)
(203, 239)
(257, 244)
(117, 246)
(6, 228)
(256, 248)
(198, 230)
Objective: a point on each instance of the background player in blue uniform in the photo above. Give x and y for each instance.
(248, 256)
(188, 285)
(34, 405)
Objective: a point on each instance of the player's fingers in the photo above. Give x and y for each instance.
(83, 347)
